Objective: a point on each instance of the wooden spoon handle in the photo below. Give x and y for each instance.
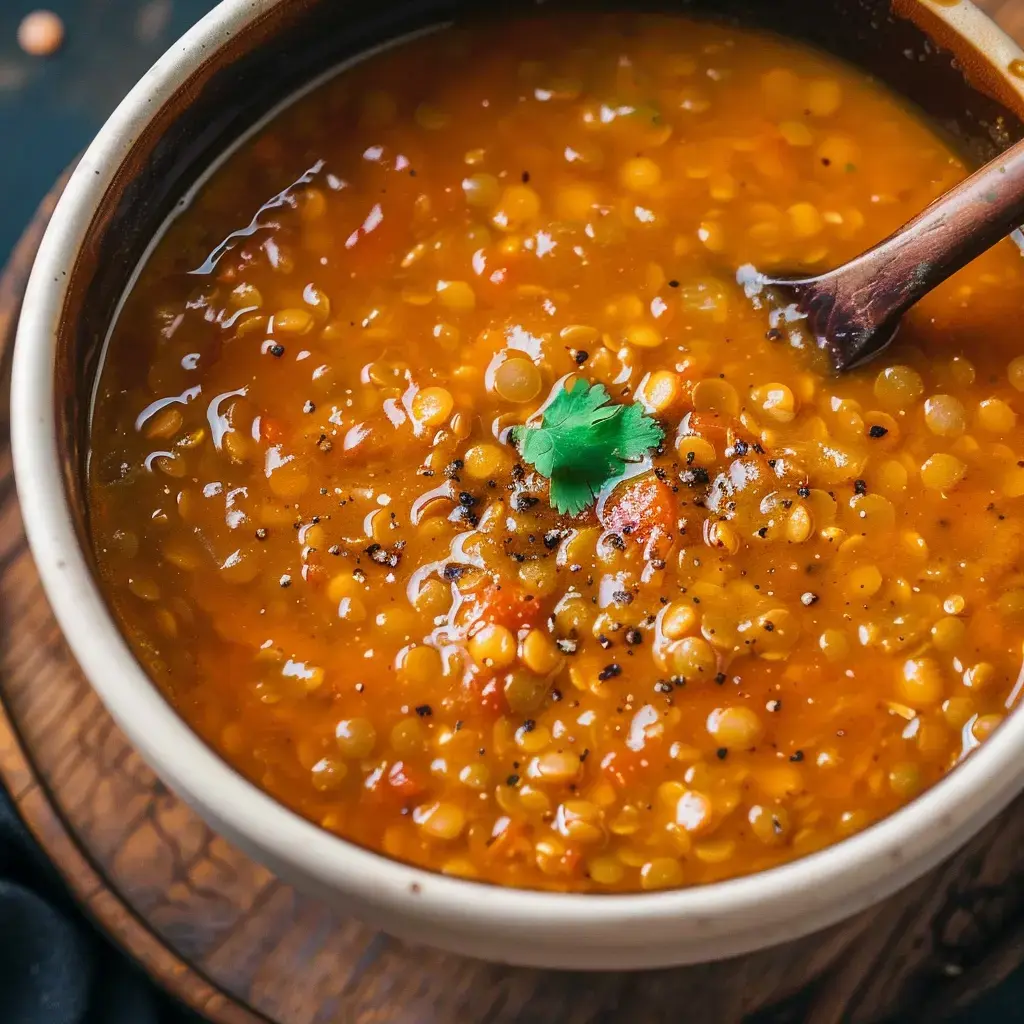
(870, 293)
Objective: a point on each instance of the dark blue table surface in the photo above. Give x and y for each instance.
(54, 966)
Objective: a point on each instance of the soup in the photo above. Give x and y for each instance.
(450, 486)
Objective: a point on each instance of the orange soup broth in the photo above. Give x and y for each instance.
(311, 522)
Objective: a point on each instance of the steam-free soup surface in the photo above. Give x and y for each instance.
(783, 623)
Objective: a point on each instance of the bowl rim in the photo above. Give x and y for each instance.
(819, 888)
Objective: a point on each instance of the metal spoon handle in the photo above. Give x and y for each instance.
(857, 306)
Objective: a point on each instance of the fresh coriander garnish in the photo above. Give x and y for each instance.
(584, 442)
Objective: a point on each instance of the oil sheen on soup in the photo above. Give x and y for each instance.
(791, 610)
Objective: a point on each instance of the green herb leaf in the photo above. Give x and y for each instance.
(584, 442)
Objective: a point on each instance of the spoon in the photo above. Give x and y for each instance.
(854, 311)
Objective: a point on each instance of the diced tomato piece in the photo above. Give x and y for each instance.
(508, 838)
(643, 509)
(404, 781)
(625, 767)
(566, 864)
(272, 430)
(377, 232)
(396, 782)
(488, 696)
(313, 573)
(495, 274)
(505, 604)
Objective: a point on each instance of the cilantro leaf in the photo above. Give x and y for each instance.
(584, 442)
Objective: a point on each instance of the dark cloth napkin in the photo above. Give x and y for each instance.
(55, 966)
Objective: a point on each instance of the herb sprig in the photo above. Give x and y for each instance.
(584, 441)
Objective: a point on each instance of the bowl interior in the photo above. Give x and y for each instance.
(292, 43)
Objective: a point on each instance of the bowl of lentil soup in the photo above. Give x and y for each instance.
(433, 510)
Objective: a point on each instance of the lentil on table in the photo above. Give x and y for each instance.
(801, 611)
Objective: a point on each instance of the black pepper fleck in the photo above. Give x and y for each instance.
(381, 556)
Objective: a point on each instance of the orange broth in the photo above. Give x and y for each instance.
(310, 520)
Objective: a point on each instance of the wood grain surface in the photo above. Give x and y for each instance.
(236, 944)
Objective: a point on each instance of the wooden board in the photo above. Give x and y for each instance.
(233, 942)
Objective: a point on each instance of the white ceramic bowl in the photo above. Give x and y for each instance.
(155, 144)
